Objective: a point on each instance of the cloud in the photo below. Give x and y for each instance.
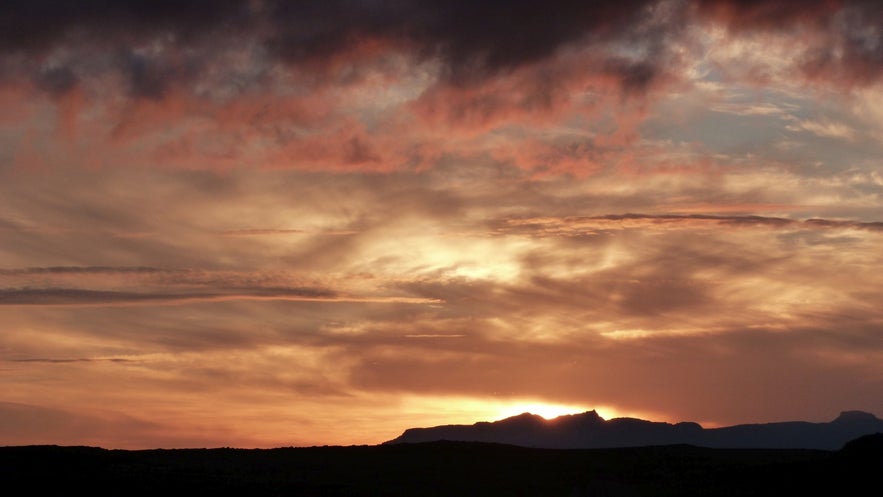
(825, 129)
(434, 335)
(351, 86)
(40, 24)
(471, 40)
(855, 51)
(872, 226)
(591, 225)
(752, 14)
(261, 231)
(837, 42)
(755, 109)
(85, 297)
(65, 270)
(65, 361)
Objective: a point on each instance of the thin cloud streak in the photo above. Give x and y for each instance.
(100, 298)
(65, 270)
(575, 226)
(65, 361)
(270, 231)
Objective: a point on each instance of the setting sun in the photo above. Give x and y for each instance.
(544, 409)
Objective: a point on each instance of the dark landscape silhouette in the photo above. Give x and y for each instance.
(474, 468)
(590, 431)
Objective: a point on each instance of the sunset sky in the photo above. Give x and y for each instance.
(268, 223)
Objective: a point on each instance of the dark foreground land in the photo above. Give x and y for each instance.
(444, 468)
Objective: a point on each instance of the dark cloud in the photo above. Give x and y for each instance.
(593, 225)
(154, 45)
(27, 25)
(169, 44)
(827, 223)
(472, 40)
(147, 77)
(471, 37)
(81, 270)
(79, 296)
(57, 80)
(860, 33)
(852, 32)
(636, 77)
(766, 14)
(65, 361)
(675, 218)
(503, 33)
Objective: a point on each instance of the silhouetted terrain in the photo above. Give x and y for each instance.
(444, 469)
(589, 431)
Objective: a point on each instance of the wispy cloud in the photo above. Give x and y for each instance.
(272, 231)
(74, 270)
(66, 361)
(827, 129)
(77, 296)
(578, 226)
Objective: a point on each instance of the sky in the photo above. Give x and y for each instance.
(265, 223)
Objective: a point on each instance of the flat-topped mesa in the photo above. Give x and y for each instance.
(856, 417)
(588, 416)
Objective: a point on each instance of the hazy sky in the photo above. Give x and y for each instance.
(267, 223)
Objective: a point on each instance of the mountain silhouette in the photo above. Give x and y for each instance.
(590, 431)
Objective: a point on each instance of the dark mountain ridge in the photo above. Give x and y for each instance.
(589, 430)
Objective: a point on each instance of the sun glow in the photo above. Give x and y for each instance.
(550, 410)
(468, 410)
(544, 409)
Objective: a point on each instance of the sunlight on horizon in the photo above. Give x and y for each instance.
(551, 410)
(472, 410)
(546, 410)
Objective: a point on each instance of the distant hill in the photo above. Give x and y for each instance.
(590, 431)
